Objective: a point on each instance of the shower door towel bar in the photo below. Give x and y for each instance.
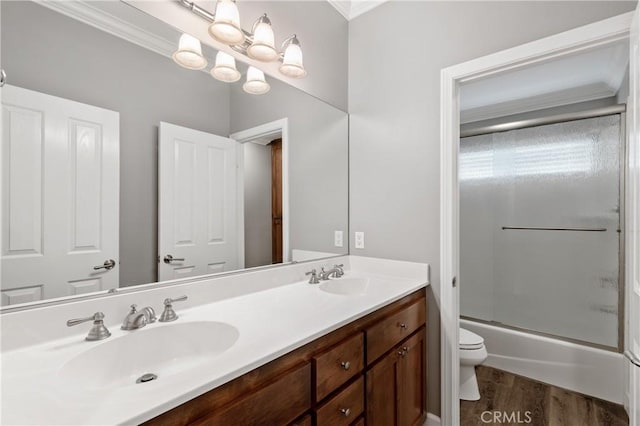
(540, 228)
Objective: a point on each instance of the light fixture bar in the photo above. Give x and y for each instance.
(203, 13)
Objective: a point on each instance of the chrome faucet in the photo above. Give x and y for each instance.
(335, 272)
(137, 319)
(98, 331)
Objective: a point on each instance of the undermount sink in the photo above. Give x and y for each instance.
(346, 286)
(160, 350)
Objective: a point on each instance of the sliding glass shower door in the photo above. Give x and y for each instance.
(540, 217)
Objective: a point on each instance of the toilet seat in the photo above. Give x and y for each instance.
(470, 340)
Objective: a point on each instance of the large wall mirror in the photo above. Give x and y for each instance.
(121, 168)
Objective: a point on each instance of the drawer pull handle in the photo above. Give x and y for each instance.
(345, 411)
(345, 365)
(403, 326)
(403, 351)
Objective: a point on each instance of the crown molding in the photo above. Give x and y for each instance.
(351, 9)
(342, 6)
(363, 6)
(84, 12)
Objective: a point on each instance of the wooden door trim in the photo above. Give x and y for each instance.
(276, 201)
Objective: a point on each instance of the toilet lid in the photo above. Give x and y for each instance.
(470, 340)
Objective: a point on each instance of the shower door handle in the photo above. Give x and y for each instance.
(454, 282)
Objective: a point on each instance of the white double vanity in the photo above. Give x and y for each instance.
(229, 325)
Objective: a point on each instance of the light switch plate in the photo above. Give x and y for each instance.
(359, 240)
(337, 239)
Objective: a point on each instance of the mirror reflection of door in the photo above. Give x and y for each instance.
(262, 193)
(60, 197)
(197, 223)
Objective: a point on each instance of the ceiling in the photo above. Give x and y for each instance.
(595, 74)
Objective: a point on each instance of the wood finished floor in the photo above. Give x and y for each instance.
(548, 405)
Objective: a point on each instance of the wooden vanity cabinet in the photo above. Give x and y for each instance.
(396, 385)
(369, 372)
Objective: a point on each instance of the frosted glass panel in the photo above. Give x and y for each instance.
(557, 282)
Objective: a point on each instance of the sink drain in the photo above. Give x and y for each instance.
(146, 378)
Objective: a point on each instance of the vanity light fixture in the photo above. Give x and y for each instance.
(259, 44)
(262, 47)
(292, 59)
(255, 84)
(189, 53)
(226, 23)
(225, 68)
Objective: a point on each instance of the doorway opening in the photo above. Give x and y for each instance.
(263, 194)
(568, 44)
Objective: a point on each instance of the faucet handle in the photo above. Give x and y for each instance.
(169, 314)
(169, 301)
(98, 331)
(339, 270)
(314, 277)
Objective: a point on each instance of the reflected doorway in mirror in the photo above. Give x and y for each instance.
(263, 193)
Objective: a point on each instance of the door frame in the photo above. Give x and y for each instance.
(274, 129)
(563, 44)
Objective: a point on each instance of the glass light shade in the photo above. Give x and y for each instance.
(226, 25)
(189, 53)
(225, 68)
(263, 48)
(292, 63)
(255, 84)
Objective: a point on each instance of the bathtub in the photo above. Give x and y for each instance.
(580, 368)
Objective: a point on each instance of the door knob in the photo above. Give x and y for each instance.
(168, 259)
(108, 265)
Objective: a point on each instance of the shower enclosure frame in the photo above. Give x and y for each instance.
(618, 109)
(570, 42)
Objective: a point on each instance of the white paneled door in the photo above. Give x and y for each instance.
(60, 197)
(198, 222)
(632, 234)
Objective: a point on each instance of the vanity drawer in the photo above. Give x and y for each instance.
(278, 403)
(390, 331)
(337, 365)
(343, 408)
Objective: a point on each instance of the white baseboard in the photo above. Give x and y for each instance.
(432, 420)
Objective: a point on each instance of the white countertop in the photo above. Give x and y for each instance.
(271, 323)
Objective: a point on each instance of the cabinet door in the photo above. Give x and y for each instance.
(382, 393)
(396, 385)
(411, 381)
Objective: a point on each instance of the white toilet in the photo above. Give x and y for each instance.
(472, 353)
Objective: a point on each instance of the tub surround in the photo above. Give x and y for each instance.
(587, 370)
(274, 310)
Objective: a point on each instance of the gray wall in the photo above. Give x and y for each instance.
(318, 160)
(394, 106)
(87, 65)
(257, 205)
